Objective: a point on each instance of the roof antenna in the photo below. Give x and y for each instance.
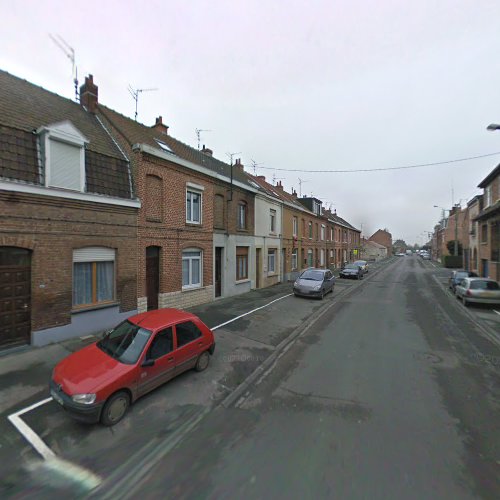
(198, 134)
(135, 94)
(276, 178)
(301, 181)
(255, 165)
(70, 54)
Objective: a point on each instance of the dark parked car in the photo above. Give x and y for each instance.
(352, 271)
(457, 276)
(362, 264)
(314, 283)
(478, 290)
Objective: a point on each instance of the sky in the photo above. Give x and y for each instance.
(294, 86)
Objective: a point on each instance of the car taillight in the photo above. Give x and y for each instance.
(468, 293)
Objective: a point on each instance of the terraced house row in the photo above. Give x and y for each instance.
(102, 217)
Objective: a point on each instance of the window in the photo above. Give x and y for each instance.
(272, 221)
(310, 258)
(241, 263)
(93, 276)
(484, 233)
(162, 344)
(317, 232)
(193, 207)
(186, 333)
(63, 154)
(191, 268)
(310, 230)
(323, 229)
(242, 215)
(295, 224)
(322, 257)
(219, 211)
(303, 228)
(271, 261)
(487, 196)
(316, 207)
(294, 258)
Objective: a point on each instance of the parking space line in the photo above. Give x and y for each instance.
(250, 312)
(494, 310)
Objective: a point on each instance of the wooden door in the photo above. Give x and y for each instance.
(218, 271)
(15, 296)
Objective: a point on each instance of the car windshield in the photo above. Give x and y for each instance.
(360, 262)
(312, 275)
(125, 343)
(461, 274)
(351, 266)
(484, 285)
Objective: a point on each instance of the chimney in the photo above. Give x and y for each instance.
(207, 151)
(294, 194)
(279, 186)
(160, 126)
(238, 164)
(88, 94)
(262, 177)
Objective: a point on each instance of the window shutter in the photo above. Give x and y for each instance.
(65, 167)
(94, 254)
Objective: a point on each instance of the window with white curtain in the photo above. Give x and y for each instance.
(193, 207)
(93, 276)
(294, 258)
(271, 261)
(191, 268)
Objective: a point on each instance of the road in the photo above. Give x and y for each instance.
(394, 393)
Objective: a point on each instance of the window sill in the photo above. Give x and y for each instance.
(191, 288)
(240, 282)
(193, 224)
(93, 307)
(241, 230)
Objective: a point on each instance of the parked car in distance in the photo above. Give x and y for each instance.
(458, 275)
(352, 271)
(400, 254)
(478, 290)
(362, 264)
(314, 282)
(100, 381)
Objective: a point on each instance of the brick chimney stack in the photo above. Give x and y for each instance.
(160, 126)
(294, 194)
(279, 186)
(262, 177)
(88, 94)
(238, 164)
(207, 151)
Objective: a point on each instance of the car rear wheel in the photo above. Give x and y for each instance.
(115, 408)
(202, 362)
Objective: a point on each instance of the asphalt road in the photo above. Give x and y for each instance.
(395, 393)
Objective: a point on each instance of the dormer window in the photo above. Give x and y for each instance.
(63, 156)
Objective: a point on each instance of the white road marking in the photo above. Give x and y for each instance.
(498, 312)
(250, 312)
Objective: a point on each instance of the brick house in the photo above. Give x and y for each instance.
(471, 251)
(196, 223)
(68, 233)
(382, 237)
(488, 222)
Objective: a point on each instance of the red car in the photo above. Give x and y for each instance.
(99, 382)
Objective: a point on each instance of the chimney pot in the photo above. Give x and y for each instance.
(89, 94)
(261, 177)
(207, 151)
(160, 126)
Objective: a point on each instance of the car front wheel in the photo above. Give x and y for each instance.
(203, 361)
(115, 408)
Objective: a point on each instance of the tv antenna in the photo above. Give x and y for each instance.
(255, 165)
(70, 54)
(301, 181)
(276, 178)
(135, 94)
(198, 134)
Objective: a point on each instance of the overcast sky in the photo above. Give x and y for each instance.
(309, 85)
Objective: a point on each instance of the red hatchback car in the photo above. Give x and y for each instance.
(99, 382)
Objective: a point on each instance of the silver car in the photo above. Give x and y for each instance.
(478, 290)
(314, 283)
(362, 264)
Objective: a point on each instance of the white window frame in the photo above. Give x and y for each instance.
(272, 221)
(295, 258)
(322, 257)
(191, 259)
(190, 192)
(242, 210)
(487, 196)
(323, 229)
(66, 133)
(295, 223)
(271, 260)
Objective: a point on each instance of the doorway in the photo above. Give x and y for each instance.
(15, 296)
(152, 276)
(257, 267)
(218, 271)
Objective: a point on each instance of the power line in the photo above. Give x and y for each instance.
(420, 165)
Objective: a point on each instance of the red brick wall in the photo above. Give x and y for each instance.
(52, 228)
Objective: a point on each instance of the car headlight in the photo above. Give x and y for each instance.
(317, 287)
(85, 399)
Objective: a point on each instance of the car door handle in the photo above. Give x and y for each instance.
(200, 343)
(170, 359)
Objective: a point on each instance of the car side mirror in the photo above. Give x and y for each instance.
(148, 362)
